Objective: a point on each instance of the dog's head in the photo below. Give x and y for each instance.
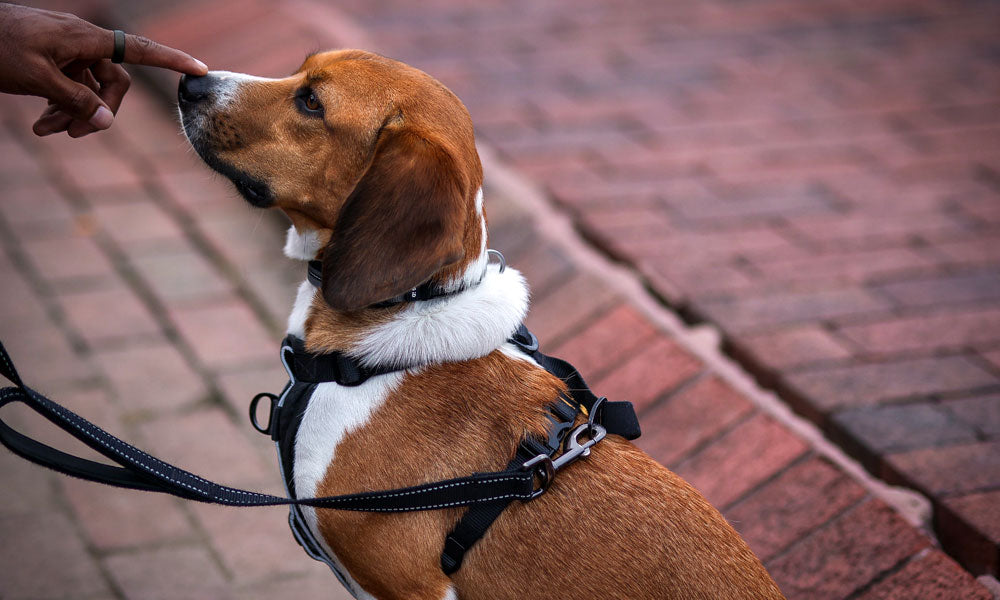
(374, 156)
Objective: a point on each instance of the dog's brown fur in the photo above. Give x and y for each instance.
(616, 525)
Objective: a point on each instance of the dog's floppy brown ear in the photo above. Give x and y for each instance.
(403, 221)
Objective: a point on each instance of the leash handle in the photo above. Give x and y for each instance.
(141, 471)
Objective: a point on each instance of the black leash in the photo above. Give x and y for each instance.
(140, 471)
(486, 494)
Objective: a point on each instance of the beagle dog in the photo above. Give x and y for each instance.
(375, 164)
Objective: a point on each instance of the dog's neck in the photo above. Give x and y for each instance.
(468, 324)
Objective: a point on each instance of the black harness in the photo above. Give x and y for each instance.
(534, 455)
(528, 475)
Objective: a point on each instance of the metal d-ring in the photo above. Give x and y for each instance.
(499, 255)
(266, 430)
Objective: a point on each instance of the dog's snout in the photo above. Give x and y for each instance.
(194, 89)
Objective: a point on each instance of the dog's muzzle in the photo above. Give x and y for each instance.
(198, 99)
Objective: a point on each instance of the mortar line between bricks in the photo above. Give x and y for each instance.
(134, 281)
(888, 573)
(193, 233)
(847, 510)
(804, 457)
(702, 340)
(137, 286)
(706, 443)
(678, 389)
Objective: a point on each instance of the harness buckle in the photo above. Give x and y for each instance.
(525, 340)
(545, 468)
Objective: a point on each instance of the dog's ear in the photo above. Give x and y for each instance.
(403, 221)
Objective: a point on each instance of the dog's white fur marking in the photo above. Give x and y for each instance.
(227, 89)
(301, 246)
(450, 594)
(467, 325)
(300, 310)
(332, 413)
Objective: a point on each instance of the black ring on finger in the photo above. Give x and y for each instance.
(118, 55)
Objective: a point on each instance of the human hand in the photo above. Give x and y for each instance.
(67, 60)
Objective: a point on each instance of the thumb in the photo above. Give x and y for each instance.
(77, 100)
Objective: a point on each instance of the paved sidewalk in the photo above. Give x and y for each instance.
(142, 292)
(819, 179)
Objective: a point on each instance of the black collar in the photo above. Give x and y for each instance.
(424, 291)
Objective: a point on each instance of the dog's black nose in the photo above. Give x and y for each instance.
(194, 89)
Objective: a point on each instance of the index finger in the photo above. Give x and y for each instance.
(140, 50)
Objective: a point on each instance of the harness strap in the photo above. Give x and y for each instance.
(141, 471)
(617, 417)
(333, 366)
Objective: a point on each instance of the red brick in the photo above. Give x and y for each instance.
(315, 583)
(181, 275)
(947, 289)
(606, 341)
(852, 267)
(980, 412)
(969, 528)
(882, 429)
(18, 301)
(685, 420)
(224, 334)
(101, 170)
(874, 383)
(564, 310)
(747, 313)
(846, 555)
(792, 347)
(954, 329)
(137, 224)
(681, 282)
(660, 366)
(35, 208)
(233, 235)
(797, 502)
(114, 518)
(950, 470)
(750, 205)
(254, 544)
(932, 575)
(30, 486)
(151, 378)
(865, 231)
(741, 459)
(544, 268)
(63, 570)
(196, 190)
(239, 387)
(111, 314)
(44, 357)
(983, 250)
(208, 444)
(68, 259)
(993, 358)
(168, 574)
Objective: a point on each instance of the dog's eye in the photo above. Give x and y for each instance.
(312, 102)
(309, 103)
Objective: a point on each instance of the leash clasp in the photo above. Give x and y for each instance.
(545, 468)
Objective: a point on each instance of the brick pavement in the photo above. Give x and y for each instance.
(821, 180)
(156, 298)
